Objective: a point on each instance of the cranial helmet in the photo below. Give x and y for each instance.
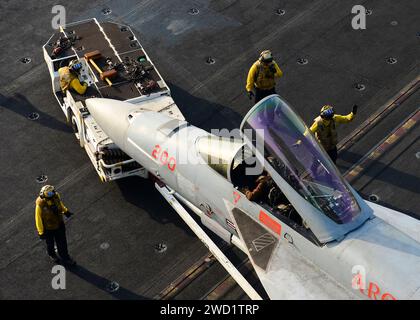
(266, 56)
(47, 191)
(327, 112)
(75, 65)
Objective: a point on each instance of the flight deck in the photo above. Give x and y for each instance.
(128, 243)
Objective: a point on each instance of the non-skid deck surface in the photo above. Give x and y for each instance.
(117, 225)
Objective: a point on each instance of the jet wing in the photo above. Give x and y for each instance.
(404, 223)
(282, 270)
(290, 276)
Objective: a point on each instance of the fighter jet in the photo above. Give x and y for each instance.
(310, 235)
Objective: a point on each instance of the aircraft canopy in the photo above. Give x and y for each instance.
(289, 147)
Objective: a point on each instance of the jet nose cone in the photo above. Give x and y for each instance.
(111, 116)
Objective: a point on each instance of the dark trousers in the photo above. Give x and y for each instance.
(59, 238)
(333, 154)
(261, 94)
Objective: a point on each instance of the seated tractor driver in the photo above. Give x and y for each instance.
(69, 78)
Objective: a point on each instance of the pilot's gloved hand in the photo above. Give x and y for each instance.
(42, 236)
(245, 190)
(354, 109)
(250, 94)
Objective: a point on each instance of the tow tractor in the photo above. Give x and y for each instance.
(115, 66)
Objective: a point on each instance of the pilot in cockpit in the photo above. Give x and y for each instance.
(266, 191)
(261, 189)
(69, 78)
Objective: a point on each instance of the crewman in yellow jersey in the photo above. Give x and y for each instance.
(325, 128)
(262, 75)
(69, 78)
(49, 211)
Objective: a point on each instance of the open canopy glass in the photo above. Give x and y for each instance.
(291, 149)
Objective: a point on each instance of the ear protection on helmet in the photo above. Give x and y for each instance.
(47, 191)
(75, 65)
(266, 56)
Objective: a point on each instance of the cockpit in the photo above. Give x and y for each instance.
(288, 147)
(235, 161)
(278, 154)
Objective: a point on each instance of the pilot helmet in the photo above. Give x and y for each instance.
(266, 56)
(47, 191)
(75, 65)
(327, 112)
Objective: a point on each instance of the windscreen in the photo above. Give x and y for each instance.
(291, 149)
